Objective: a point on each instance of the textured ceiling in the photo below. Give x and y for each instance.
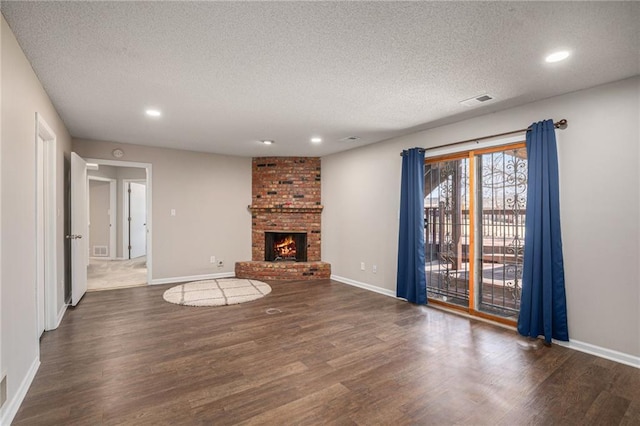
(227, 74)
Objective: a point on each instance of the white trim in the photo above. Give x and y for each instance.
(149, 169)
(124, 228)
(125, 215)
(61, 314)
(113, 218)
(10, 409)
(172, 280)
(39, 227)
(2, 367)
(383, 291)
(118, 163)
(50, 218)
(100, 178)
(610, 354)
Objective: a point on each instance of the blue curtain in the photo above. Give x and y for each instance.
(543, 306)
(411, 281)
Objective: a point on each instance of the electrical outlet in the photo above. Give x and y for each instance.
(220, 263)
(374, 269)
(212, 259)
(362, 268)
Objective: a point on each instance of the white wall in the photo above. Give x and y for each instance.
(210, 194)
(22, 97)
(600, 196)
(99, 219)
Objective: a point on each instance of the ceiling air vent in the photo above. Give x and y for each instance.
(349, 139)
(476, 100)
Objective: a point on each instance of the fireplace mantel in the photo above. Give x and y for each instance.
(285, 209)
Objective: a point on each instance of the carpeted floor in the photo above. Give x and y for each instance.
(105, 274)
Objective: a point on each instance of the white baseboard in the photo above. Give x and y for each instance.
(365, 286)
(621, 357)
(61, 315)
(11, 407)
(610, 354)
(172, 280)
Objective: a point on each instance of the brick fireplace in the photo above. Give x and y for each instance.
(286, 200)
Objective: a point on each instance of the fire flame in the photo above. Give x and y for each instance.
(286, 247)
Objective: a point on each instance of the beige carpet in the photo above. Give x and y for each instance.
(227, 291)
(105, 274)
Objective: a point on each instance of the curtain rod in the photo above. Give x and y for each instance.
(562, 124)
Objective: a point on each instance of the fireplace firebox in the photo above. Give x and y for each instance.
(285, 246)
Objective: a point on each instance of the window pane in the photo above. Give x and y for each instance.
(447, 230)
(500, 205)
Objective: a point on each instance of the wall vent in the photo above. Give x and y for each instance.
(100, 251)
(349, 139)
(477, 100)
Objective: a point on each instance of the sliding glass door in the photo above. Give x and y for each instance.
(447, 230)
(475, 206)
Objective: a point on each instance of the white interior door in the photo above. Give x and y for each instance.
(137, 220)
(79, 227)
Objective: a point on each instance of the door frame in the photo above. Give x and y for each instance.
(112, 211)
(149, 181)
(125, 214)
(50, 211)
(475, 245)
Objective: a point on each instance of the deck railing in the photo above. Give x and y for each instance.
(501, 259)
(496, 223)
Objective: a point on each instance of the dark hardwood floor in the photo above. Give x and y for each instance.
(335, 354)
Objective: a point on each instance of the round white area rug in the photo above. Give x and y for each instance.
(226, 291)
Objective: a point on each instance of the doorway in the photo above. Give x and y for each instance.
(118, 266)
(135, 226)
(475, 209)
(102, 216)
(47, 316)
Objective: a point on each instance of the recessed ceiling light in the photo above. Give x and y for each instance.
(557, 56)
(267, 142)
(316, 139)
(153, 113)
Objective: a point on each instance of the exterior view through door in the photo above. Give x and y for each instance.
(475, 204)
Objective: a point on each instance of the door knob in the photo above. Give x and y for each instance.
(73, 237)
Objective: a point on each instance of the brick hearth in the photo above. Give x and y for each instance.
(283, 270)
(286, 197)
